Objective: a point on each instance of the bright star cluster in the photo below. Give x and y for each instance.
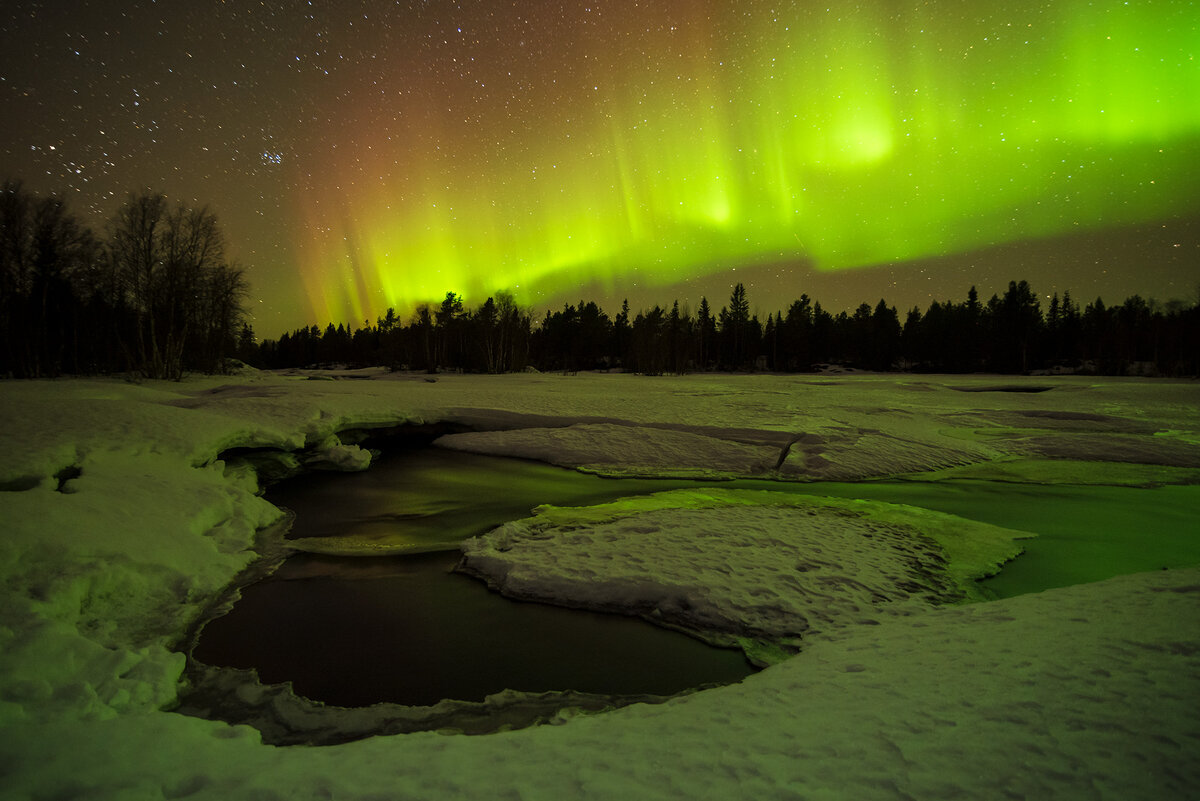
(369, 154)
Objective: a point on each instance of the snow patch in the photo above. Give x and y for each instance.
(612, 449)
(742, 567)
(1112, 448)
(847, 455)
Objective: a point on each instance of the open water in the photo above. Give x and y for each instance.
(352, 631)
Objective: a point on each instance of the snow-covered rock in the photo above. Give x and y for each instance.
(331, 454)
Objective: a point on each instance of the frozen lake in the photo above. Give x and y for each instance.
(1042, 695)
(352, 630)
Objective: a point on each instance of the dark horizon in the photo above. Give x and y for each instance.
(1003, 334)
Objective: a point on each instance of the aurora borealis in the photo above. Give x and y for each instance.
(366, 155)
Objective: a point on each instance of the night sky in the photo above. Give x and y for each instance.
(361, 155)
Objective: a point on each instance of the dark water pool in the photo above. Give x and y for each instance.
(429, 498)
(353, 632)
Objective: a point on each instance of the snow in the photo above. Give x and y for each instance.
(331, 454)
(121, 525)
(623, 450)
(730, 565)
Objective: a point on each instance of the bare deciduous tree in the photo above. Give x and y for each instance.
(184, 296)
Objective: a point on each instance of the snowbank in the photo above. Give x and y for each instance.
(102, 577)
(121, 525)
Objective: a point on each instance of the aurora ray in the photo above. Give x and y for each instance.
(697, 137)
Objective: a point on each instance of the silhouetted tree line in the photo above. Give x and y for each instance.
(1008, 333)
(494, 338)
(154, 295)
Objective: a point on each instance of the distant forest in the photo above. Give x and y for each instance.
(1008, 333)
(155, 296)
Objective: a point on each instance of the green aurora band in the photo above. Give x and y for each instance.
(654, 150)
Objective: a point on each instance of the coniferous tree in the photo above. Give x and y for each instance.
(679, 339)
(796, 333)
(822, 334)
(754, 342)
(1135, 333)
(1015, 323)
(734, 328)
(1069, 328)
(859, 337)
(447, 323)
(771, 342)
(487, 330)
(247, 345)
(621, 335)
(594, 334)
(423, 334)
(968, 333)
(649, 345)
(706, 334)
(1140, 334)
(885, 337)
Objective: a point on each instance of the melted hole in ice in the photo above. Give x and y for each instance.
(353, 631)
(431, 499)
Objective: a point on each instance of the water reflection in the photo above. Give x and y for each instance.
(354, 632)
(433, 499)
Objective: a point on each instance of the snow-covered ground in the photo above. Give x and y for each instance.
(120, 525)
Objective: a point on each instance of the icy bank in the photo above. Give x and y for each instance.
(761, 569)
(624, 450)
